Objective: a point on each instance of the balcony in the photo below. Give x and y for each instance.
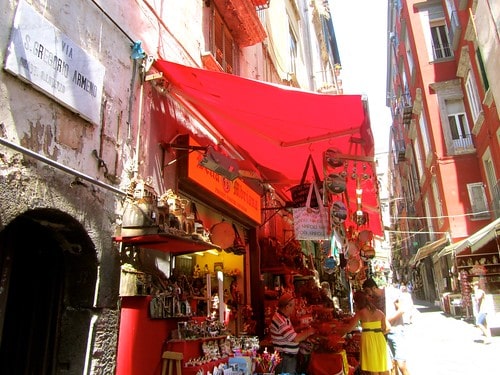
(462, 145)
(400, 150)
(407, 114)
(442, 51)
(242, 19)
(407, 107)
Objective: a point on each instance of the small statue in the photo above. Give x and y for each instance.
(177, 291)
(197, 272)
(235, 295)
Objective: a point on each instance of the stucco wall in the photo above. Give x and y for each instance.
(39, 123)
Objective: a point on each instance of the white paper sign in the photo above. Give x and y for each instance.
(41, 54)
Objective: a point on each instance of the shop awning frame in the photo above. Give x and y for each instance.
(475, 241)
(429, 249)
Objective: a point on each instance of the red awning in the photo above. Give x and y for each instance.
(278, 127)
(261, 4)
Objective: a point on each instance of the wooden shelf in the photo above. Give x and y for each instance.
(197, 339)
(486, 275)
(486, 265)
(167, 242)
(475, 255)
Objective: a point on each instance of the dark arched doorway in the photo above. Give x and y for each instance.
(48, 268)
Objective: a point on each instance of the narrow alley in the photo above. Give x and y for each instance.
(444, 345)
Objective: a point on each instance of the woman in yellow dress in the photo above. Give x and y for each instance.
(373, 354)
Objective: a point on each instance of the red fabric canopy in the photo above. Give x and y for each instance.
(278, 127)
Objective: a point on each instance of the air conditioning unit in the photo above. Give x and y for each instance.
(220, 164)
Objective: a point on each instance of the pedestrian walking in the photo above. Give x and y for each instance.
(388, 299)
(481, 309)
(407, 305)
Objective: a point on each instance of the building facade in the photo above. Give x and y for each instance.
(444, 146)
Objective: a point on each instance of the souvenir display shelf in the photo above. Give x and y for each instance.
(485, 268)
(485, 265)
(192, 350)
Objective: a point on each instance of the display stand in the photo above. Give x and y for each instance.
(193, 349)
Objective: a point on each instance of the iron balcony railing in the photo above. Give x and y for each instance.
(442, 51)
(462, 144)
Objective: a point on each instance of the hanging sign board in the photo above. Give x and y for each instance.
(42, 55)
(235, 193)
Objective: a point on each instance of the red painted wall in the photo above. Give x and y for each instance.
(141, 339)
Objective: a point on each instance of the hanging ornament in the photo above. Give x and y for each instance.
(329, 265)
(365, 235)
(353, 265)
(360, 218)
(365, 176)
(326, 247)
(335, 183)
(352, 250)
(332, 159)
(338, 212)
(367, 252)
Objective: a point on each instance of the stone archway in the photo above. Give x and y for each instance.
(48, 269)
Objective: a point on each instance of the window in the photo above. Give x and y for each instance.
(425, 135)
(418, 159)
(437, 202)
(473, 96)
(293, 51)
(409, 55)
(437, 37)
(454, 22)
(454, 124)
(428, 217)
(461, 139)
(480, 63)
(478, 202)
(440, 44)
(489, 169)
(222, 45)
(413, 189)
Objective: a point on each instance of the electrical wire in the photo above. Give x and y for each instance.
(416, 231)
(440, 217)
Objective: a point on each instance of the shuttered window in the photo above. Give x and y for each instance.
(473, 96)
(479, 204)
(440, 42)
(222, 44)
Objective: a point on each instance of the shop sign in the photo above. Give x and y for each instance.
(235, 193)
(42, 55)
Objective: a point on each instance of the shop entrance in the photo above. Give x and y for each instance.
(48, 273)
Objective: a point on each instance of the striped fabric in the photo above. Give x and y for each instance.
(283, 334)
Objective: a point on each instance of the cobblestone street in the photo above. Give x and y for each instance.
(446, 345)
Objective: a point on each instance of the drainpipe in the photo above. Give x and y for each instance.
(140, 61)
(139, 126)
(57, 165)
